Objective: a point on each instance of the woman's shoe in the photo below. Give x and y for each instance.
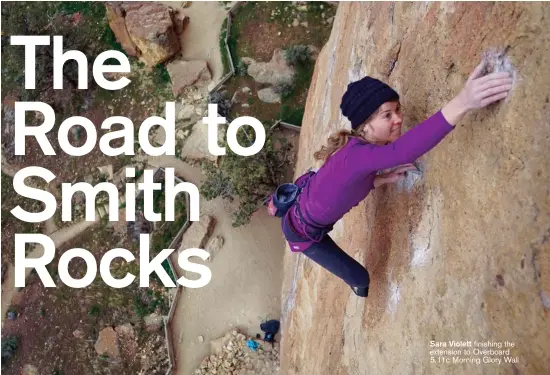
(360, 291)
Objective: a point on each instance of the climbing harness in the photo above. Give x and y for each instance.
(285, 198)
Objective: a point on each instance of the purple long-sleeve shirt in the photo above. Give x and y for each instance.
(348, 175)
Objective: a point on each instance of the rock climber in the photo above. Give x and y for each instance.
(353, 159)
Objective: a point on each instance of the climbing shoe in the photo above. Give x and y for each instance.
(360, 291)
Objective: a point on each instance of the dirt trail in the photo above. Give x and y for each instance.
(200, 40)
(9, 292)
(246, 278)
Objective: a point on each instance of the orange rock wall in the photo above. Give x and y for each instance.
(465, 253)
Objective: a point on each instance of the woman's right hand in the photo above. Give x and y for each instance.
(478, 92)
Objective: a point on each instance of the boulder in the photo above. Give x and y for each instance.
(186, 73)
(196, 146)
(107, 343)
(214, 246)
(153, 322)
(186, 112)
(29, 370)
(272, 72)
(180, 21)
(117, 23)
(268, 95)
(151, 28)
(79, 334)
(196, 236)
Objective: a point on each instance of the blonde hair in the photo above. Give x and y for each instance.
(338, 140)
(334, 143)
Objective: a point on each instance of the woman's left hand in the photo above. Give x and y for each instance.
(394, 176)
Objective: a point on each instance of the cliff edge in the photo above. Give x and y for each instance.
(462, 253)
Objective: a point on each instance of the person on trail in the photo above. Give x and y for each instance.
(352, 161)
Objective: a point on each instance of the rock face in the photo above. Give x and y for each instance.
(146, 29)
(273, 72)
(464, 253)
(186, 73)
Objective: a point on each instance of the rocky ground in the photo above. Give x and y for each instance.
(261, 32)
(112, 333)
(231, 354)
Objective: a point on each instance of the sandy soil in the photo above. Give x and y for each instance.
(246, 278)
(200, 40)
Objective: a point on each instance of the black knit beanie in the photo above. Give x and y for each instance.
(363, 97)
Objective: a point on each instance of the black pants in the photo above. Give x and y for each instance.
(330, 256)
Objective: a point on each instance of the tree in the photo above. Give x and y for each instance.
(250, 179)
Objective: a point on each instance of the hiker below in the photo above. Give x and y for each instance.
(352, 161)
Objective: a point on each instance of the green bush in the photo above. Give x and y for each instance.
(285, 89)
(292, 116)
(241, 69)
(9, 347)
(298, 54)
(224, 103)
(152, 301)
(160, 75)
(246, 178)
(94, 310)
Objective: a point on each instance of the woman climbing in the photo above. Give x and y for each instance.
(353, 159)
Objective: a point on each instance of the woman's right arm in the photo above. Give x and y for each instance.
(478, 92)
(406, 149)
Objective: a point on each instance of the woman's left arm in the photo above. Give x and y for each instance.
(394, 176)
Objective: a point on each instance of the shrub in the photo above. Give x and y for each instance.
(160, 75)
(285, 89)
(94, 310)
(241, 69)
(9, 347)
(298, 54)
(224, 104)
(216, 184)
(292, 116)
(250, 178)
